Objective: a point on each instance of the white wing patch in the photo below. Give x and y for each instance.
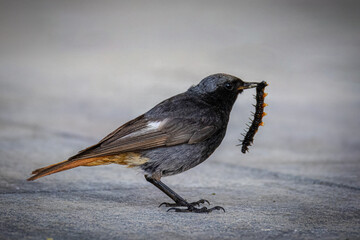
(151, 127)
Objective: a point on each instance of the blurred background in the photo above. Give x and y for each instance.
(73, 71)
(82, 68)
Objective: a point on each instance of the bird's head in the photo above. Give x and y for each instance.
(221, 89)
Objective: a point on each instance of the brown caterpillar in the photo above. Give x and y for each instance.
(258, 115)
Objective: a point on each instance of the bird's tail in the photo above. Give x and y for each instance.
(130, 159)
(58, 167)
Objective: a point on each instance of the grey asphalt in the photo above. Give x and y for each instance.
(72, 71)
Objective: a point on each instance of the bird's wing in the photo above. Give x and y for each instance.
(141, 134)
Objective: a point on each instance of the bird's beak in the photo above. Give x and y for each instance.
(247, 85)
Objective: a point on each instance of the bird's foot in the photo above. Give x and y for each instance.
(193, 204)
(196, 210)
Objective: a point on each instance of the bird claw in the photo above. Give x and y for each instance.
(197, 203)
(202, 201)
(196, 210)
(170, 204)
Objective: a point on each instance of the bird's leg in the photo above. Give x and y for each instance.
(179, 201)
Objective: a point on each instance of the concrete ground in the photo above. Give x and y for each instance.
(72, 71)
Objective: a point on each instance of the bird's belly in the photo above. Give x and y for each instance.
(172, 160)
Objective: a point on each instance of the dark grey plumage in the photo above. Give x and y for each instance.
(202, 106)
(174, 136)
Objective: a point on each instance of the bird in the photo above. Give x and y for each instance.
(174, 136)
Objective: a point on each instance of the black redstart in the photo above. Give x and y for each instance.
(174, 136)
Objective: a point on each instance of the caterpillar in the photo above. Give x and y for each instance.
(258, 115)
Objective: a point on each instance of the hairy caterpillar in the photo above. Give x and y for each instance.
(258, 115)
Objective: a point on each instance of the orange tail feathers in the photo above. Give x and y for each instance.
(58, 167)
(130, 159)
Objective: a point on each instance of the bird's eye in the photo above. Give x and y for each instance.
(229, 86)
